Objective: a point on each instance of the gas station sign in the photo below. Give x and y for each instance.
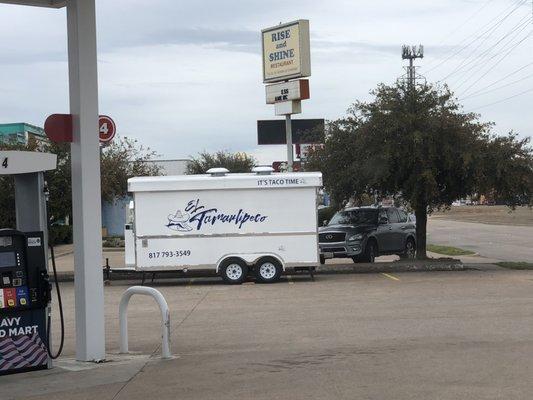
(106, 128)
(286, 51)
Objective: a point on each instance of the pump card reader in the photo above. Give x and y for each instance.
(24, 297)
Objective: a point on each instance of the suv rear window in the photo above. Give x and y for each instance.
(354, 217)
(393, 216)
(403, 216)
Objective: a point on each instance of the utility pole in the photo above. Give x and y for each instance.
(411, 53)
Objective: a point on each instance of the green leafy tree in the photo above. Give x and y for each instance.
(417, 143)
(121, 160)
(233, 162)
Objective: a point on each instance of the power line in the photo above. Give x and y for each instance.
(497, 88)
(478, 66)
(468, 37)
(516, 6)
(463, 65)
(498, 62)
(453, 31)
(502, 100)
(502, 79)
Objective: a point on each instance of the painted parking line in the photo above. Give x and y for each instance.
(390, 276)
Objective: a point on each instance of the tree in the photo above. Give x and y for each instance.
(416, 142)
(121, 160)
(233, 162)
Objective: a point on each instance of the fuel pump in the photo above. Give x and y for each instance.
(24, 298)
(25, 291)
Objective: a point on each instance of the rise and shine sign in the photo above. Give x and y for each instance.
(286, 51)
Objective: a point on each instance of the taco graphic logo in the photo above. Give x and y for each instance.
(195, 216)
(179, 222)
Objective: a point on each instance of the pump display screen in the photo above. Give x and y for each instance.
(6, 241)
(7, 260)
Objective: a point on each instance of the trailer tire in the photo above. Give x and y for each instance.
(233, 271)
(268, 270)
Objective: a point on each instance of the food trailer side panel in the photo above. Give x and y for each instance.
(229, 211)
(198, 229)
(292, 250)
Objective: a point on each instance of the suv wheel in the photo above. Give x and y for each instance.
(409, 252)
(234, 271)
(370, 251)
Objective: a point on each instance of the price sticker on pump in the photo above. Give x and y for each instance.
(106, 129)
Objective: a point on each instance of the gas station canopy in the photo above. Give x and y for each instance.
(26, 162)
(38, 3)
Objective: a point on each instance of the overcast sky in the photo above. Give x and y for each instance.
(185, 76)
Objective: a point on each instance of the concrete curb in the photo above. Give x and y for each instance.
(444, 264)
(447, 264)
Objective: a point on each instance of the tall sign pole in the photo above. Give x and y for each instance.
(290, 153)
(286, 56)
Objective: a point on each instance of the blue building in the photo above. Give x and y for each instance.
(21, 133)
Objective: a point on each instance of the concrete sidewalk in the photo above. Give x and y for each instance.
(64, 255)
(405, 336)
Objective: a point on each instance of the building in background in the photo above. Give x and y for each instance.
(22, 133)
(171, 167)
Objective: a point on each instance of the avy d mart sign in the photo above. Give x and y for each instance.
(286, 51)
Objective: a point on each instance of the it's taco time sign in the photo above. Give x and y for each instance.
(286, 51)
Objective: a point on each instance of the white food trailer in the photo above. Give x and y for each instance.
(257, 223)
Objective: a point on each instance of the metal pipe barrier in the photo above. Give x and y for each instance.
(165, 317)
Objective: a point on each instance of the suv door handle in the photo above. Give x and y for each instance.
(390, 228)
(404, 228)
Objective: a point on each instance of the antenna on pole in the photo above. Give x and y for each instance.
(411, 53)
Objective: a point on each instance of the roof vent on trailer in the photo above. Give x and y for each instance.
(217, 171)
(263, 170)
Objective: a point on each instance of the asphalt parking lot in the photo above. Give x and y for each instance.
(499, 242)
(419, 335)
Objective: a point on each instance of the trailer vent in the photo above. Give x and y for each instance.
(263, 170)
(217, 171)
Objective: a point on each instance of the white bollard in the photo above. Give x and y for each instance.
(165, 317)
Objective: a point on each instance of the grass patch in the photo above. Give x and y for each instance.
(448, 250)
(515, 265)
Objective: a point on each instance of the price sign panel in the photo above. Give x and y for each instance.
(287, 91)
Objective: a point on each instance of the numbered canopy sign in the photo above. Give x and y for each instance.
(25, 162)
(286, 51)
(106, 128)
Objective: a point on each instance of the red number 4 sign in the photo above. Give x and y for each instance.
(107, 128)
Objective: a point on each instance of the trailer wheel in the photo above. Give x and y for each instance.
(268, 270)
(234, 271)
